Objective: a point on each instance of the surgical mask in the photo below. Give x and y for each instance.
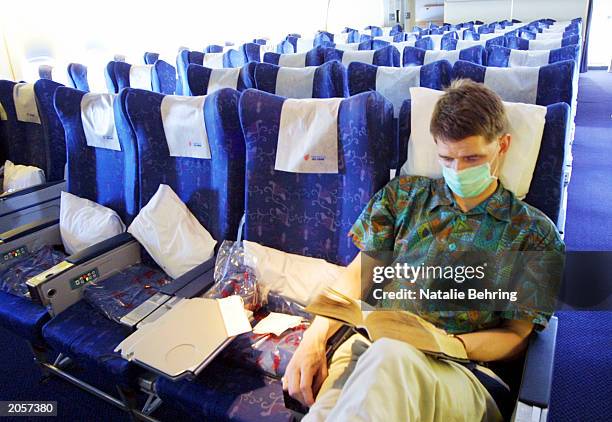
(469, 182)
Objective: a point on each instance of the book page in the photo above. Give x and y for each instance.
(234, 316)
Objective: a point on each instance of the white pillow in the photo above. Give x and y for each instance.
(84, 223)
(171, 234)
(294, 276)
(526, 127)
(17, 177)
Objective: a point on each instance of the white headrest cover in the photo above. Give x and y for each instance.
(437, 41)
(184, 126)
(528, 58)
(517, 84)
(388, 38)
(308, 136)
(400, 47)
(526, 128)
(25, 103)
(345, 47)
(394, 83)
(223, 78)
(292, 60)
(431, 56)
(545, 44)
(549, 35)
(363, 56)
(213, 60)
(98, 120)
(295, 82)
(341, 38)
(461, 44)
(140, 76)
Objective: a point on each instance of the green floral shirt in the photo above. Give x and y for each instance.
(414, 214)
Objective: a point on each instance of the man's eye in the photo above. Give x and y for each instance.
(472, 159)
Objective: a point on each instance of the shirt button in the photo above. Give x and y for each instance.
(452, 246)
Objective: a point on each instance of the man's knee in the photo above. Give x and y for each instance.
(393, 353)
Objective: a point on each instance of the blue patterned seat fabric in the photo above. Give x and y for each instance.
(498, 56)
(546, 189)
(554, 80)
(314, 57)
(414, 56)
(14, 274)
(362, 78)
(385, 56)
(198, 78)
(78, 76)
(329, 79)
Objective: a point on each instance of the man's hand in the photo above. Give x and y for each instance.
(307, 369)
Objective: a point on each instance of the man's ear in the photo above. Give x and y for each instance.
(504, 142)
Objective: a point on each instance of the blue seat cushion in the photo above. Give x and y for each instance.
(222, 392)
(86, 335)
(22, 316)
(14, 274)
(119, 294)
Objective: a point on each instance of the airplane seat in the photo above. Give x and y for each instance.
(158, 77)
(386, 56)
(150, 58)
(213, 48)
(212, 189)
(453, 44)
(284, 47)
(45, 71)
(252, 52)
(92, 173)
(517, 43)
(425, 43)
(203, 80)
(111, 78)
(414, 56)
(531, 376)
(364, 126)
(325, 81)
(78, 76)
(394, 84)
(375, 31)
(313, 57)
(506, 57)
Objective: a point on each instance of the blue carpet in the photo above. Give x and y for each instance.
(582, 382)
(589, 209)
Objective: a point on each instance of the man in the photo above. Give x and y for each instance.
(467, 209)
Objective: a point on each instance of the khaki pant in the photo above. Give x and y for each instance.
(390, 381)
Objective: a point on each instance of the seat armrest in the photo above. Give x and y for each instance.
(99, 248)
(27, 229)
(194, 282)
(31, 189)
(538, 369)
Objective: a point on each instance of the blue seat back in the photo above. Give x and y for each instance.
(53, 132)
(163, 76)
(498, 56)
(45, 72)
(150, 58)
(25, 141)
(523, 44)
(198, 78)
(386, 56)
(111, 78)
(78, 76)
(329, 79)
(212, 189)
(555, 81)
(414, 56)
(375, 31)
(313, 57)
(546, 191)
(213, 48)
(311, 214)
(362, 78)
(97, 174)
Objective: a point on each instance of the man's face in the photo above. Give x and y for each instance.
(472, 151)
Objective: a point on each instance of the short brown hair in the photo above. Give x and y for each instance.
(468, 109)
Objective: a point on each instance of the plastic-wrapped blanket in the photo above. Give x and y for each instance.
(265, 352)
(119, 294)
(15, 272)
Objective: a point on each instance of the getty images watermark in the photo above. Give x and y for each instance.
(463, 281)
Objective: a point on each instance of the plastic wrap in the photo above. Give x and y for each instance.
(119, 294)
(232, 277)
(266, 352)
(15, 272)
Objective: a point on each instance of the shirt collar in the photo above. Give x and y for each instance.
(498, 204)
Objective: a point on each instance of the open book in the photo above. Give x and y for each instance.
(399, 325)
